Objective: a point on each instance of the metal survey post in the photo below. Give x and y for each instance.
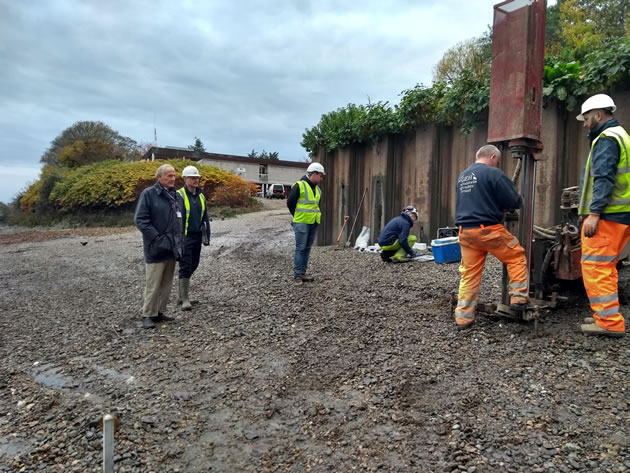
(108, 444)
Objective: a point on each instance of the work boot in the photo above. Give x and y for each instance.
(184, 286)
(162, 318)
(463, 326)
(298, 280)
(592, 329)
(147, 322)
(385, 258)
(306, 278)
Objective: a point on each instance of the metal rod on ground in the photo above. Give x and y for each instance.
(355, 218)
(108, 444)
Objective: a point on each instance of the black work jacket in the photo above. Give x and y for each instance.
(159, 219)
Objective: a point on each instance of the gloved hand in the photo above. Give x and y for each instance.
(590, 225)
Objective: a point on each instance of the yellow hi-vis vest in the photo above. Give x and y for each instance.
(620, 199)
(202, 198)
(307, 208)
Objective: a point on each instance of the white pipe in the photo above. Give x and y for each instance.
(108, 444)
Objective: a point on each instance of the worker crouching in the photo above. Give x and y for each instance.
(196, 231)
(483, 194)
(395, 242)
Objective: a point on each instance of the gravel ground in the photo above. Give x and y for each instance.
(360, 370)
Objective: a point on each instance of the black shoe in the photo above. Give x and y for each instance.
(306, 278)
(147, 322)
(162, 318)
(463, 327)
(385, 258)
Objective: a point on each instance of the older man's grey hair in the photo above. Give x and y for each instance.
(163, 169)
(486, 151)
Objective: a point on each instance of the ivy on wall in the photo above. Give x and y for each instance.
(464, 101)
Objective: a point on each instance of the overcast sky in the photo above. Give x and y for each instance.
(237, 74)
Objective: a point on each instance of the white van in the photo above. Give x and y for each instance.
(275, 191)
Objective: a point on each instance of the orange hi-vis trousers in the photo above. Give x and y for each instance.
(599, 272)
(476, 243)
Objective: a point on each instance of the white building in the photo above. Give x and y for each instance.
(263, 172)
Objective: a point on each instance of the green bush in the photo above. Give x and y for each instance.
(562, 79)
(603, 69)
(465, 101)
(419, 105)
(114, 184)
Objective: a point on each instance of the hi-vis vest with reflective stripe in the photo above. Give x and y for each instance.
(307, 208)
(620, 199)
(202, 198)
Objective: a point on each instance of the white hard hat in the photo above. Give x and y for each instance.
(411, 209)
(315, 167)
(595, 102)
(190, 171)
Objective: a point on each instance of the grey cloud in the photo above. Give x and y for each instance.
(237, 74)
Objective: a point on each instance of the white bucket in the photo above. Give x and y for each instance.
(422, 246)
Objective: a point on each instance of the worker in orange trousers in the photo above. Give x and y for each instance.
(605, 210)
(483, 195)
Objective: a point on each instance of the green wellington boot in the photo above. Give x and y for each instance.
(184, 286)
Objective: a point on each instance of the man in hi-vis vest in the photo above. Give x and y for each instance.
(303, 203)
(605, 210)
(196, 230)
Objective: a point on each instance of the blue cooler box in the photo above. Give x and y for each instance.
(446, 250)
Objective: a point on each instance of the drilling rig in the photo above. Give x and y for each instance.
(515, 124)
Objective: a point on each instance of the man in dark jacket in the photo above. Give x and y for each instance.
(483, 194)
(395, 242)
(159, 219)
(605, 208)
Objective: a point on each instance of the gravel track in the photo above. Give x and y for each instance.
(361, 370)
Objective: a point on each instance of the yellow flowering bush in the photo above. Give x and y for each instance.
(115, 184)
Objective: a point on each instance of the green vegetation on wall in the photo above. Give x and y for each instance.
(464, 100)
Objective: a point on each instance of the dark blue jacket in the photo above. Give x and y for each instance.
(397, 229)
(159, 219)
(483, 194)
(604, 163)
